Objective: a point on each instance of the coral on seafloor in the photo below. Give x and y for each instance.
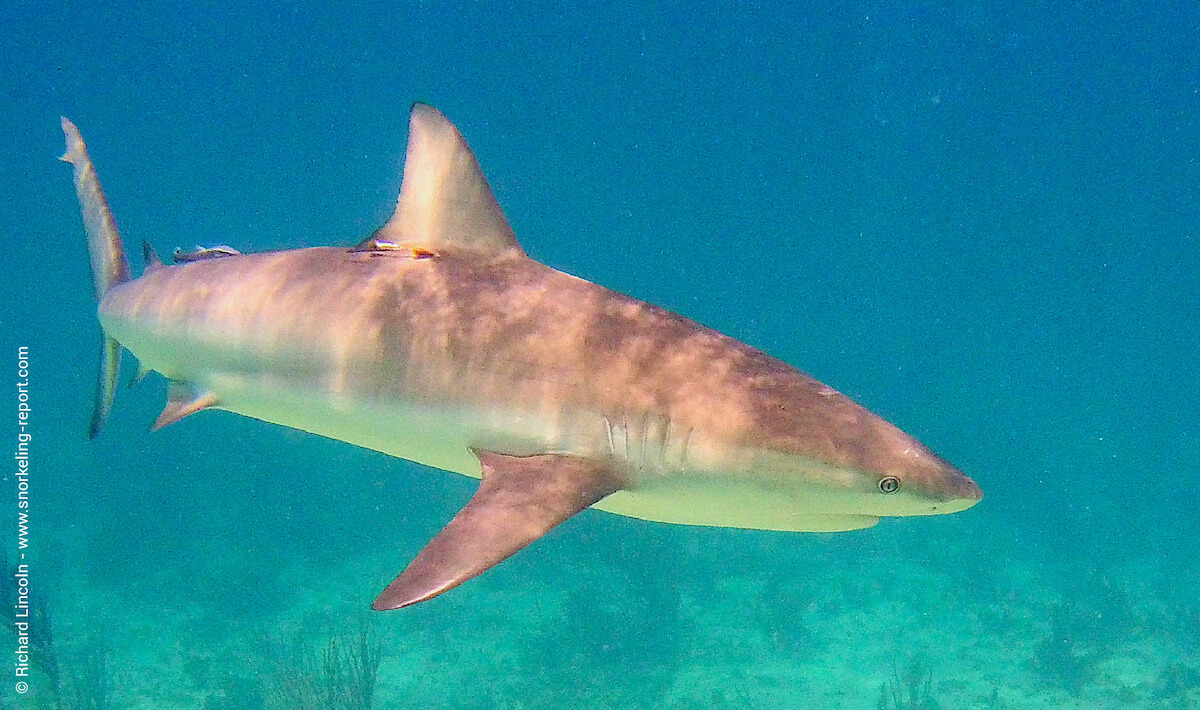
(910, 689)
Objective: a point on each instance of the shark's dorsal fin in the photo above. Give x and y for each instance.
(445, 202)
(519, 499)
(182, 400)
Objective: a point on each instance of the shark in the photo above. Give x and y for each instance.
(438, 340)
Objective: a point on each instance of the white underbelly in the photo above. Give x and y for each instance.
(442, 437)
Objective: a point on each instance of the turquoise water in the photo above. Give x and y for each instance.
(980, 222)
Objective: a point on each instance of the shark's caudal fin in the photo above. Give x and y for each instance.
(109, 265)
(445, 202)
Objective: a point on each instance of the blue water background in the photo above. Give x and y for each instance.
(980, 221)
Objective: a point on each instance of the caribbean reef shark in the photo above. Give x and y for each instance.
(438, 340)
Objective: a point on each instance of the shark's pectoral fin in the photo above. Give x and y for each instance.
(182, 400)
(519, 499)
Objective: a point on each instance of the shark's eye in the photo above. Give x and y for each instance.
(889, 484)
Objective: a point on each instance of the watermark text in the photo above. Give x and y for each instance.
(20, 570)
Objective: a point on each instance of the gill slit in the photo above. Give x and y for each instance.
(663, 443)
(645, 433)
(625, 433)
(683, 456)
(612, 451)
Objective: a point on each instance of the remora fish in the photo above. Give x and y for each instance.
(439, 341)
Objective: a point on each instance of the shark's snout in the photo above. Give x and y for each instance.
(911, 479)
(966, 489)
(959, 490)
(945, 488)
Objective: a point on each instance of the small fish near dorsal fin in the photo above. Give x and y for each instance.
(445, 203)
(182, 400)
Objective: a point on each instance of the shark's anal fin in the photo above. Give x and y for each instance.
(140, 375)
(182, 400)
(519, 499)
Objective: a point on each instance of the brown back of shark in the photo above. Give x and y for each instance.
(440, 341)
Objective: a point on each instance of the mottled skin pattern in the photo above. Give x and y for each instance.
(617, 378)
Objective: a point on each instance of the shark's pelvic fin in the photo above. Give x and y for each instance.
(519, 499)
(445, 202)
(182, 400)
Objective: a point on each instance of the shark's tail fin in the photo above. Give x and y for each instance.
(109, 265)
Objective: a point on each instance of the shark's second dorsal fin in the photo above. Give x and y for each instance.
(150, 259)
(445, 202)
